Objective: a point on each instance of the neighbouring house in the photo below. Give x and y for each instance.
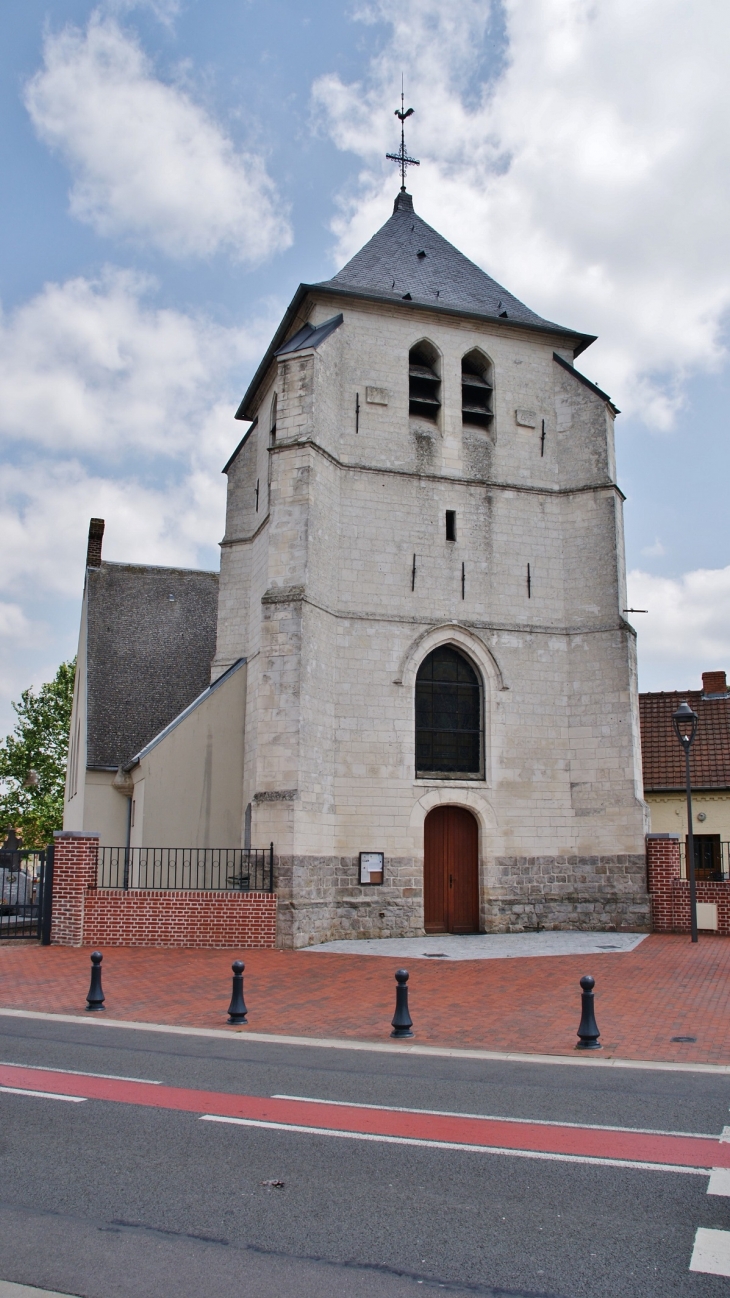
(419, 681)
(664, 770)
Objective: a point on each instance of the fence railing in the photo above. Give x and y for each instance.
(25, 894)
(712, 858)
(210, 869)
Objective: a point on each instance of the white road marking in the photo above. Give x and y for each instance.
(75, 1072)
(500, 1117)
(720, 1181)
(579, 1060)
(43, 1095)
(540, 1155)
(711, 1253)
(10, 1290)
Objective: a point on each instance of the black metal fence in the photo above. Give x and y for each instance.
(26, 886)
(712, 858)
(210, 869)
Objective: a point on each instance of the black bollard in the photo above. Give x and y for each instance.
(588, 1030)
(402, 1021)
(95, 998)
(237, 1009)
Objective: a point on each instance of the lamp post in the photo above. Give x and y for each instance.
(685, 728)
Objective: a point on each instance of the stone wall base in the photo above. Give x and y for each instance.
(602, 894)
(321, 901)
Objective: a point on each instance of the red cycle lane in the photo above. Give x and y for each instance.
(680, 1151)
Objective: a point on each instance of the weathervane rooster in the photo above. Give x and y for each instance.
(402, 158)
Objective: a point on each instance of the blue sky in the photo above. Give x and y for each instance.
(173, 169)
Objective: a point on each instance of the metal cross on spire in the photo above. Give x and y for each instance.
(402, 158)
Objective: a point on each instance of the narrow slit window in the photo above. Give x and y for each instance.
(450, 524)
(272, 429)
(424, 384)
(476, 390)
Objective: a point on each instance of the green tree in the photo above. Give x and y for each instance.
(33, 760)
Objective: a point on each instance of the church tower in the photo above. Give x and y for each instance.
(423, 566)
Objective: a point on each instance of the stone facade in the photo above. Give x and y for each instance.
(325, 523)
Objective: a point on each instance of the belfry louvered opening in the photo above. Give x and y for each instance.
(476, 390)
(424, 383)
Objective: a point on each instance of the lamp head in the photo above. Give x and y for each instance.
(685, 724)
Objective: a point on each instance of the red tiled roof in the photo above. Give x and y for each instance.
(662, 757)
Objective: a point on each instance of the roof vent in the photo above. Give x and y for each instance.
(420, 253)
(407, 297)
(503, 315)
(714, 683)
(93, 547)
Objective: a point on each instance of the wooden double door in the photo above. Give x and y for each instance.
(451, 871)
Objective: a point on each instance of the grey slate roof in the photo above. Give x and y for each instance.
(148, 656)
(407, 256)
(389, 269)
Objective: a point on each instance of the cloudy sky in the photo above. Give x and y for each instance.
(173, 168)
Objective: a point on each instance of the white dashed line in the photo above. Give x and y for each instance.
(711, 1253)
(720, 1181)
(540, 1155)
(76, 1072)
(43, 1095)
(500, 1117)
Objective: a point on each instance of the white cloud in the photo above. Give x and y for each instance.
(654, 551)
(687, 628)
(14, 625)
(93, 366)
(591, 177)
(44, 519)
(149, 163)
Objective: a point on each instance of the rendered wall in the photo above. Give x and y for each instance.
(193, 777)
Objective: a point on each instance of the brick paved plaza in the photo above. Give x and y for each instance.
(664, 988)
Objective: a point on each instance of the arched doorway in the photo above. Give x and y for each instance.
(451, 871)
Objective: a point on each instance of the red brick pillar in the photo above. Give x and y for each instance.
(74, 871)
(663, 868)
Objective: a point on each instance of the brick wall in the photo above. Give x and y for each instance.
(84, 915)
(74, 872)
(670, 894)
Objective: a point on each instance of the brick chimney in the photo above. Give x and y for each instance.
(93, 549)
(714, 683)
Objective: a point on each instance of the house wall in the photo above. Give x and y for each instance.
(318, 597)
(669, 813)
(188, 785)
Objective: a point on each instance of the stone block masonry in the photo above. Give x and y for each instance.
(670, 893)
(84, 915)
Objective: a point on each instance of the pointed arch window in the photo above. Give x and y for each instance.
(476, 389)
(449, 731)
(424, 383)
(272, 422)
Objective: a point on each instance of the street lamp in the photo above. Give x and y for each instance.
(685, 728)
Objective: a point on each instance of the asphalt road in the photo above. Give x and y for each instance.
(104, 1199)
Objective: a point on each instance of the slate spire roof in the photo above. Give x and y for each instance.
(407, 256)
(409, 263)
